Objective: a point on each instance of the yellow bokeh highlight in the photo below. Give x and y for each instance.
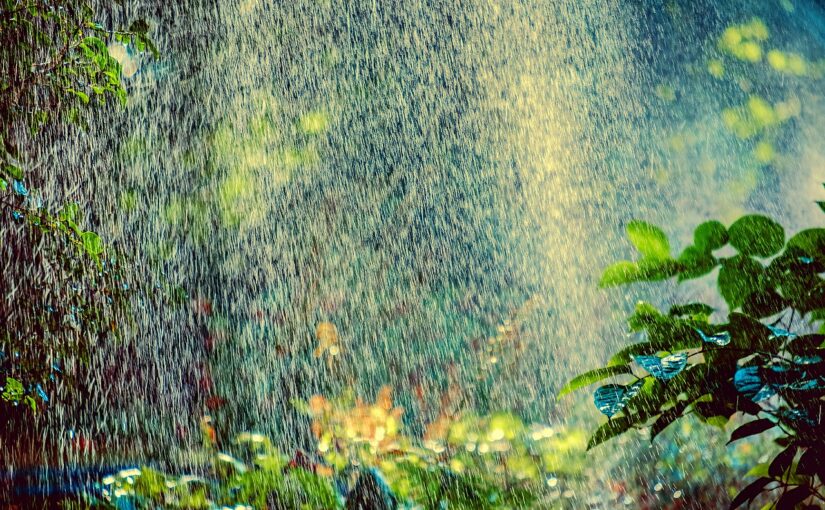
(716, 68)
(764, 152)
(743, 41)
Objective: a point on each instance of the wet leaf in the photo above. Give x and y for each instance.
(721, 338)
(739, 277)
(793, 497)
(764, 303)
(620, 273)
(92, 243)
(758, 236)
(782, 461)
(750, 492)
(691, 309)
(710, 235)
(649, 240)
(593, 376)
(751, 428)
(695, 263)
(810, 241)
(612, 398)
(811, 463)
(665, 368)
(666, 418)
(611, 429)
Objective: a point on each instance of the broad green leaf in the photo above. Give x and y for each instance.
(651, 269)
(749, 334)
(667, 339)
(667, 418)
(658, 396)
(739, 277)
(593, 376)
(710, 235)
(756, 235)
(3, 184)
(760, 469)
(620, 273)
(95, 44)
(611, 429)
(625, 355)
(644, 316)
(803, 289)
(648, 239)
(695, 262)
(810, 241)
(764, 303)
(92, 243)
(810, 461)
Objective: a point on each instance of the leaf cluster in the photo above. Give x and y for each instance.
(766, 360)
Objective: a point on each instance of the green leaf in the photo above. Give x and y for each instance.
(739, 277)
(648, 239)
(764, 303)
(710, 235)
(611, 429)
(717, 421)
(793, 497)
(749, 334)
(31, 403)
(803, 290)
(695, 262)
(13, 390)
(691, 309)
(760, 469)
(644, 316)
(593, 376)
(756, 235)
(666, 418)
(782, 461)
(810, 241)
(92, 243)
(751, 429)
(750, 492)
(13, 171)
(677, 341)
(84, 97)
(69, 212)
(620, 273)
(3, 184)
(810, 462)
(651, 269)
